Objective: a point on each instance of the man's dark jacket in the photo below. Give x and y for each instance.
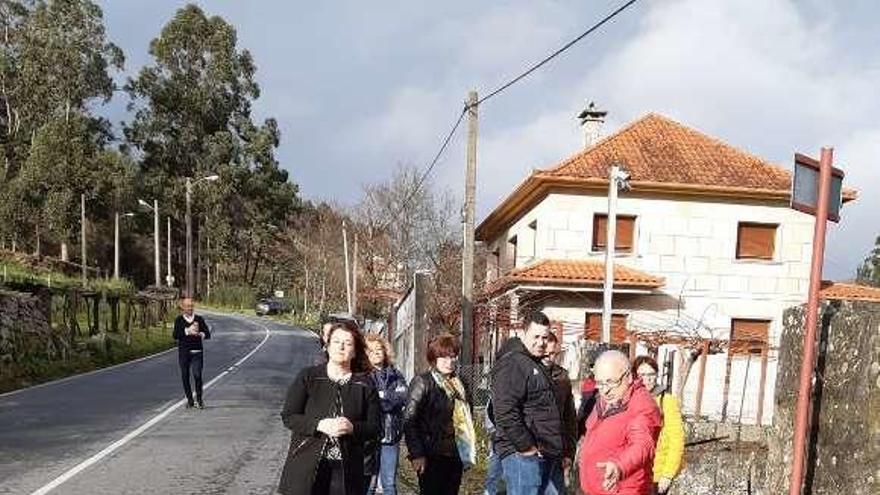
(524, 405)
(186, 343)
(311, 398)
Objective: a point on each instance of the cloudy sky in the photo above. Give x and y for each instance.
(360, 87)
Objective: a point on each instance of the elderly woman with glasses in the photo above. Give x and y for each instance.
(617, 452)
(670, 445)
(437, 422)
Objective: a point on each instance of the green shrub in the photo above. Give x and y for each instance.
(233, 296)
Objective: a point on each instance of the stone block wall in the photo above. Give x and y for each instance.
(845, 420)
(24, 327)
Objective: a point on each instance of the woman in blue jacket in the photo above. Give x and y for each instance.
(391, 386)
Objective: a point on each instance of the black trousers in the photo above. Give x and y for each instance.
(329, 478)
(191, 362)
(442, 476)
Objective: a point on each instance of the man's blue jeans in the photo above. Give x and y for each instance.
(388, 469)
(533, 475)
(493, 473)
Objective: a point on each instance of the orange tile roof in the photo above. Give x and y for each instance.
(658, 149)
(849, 292)
(661, 155)
(574, 272)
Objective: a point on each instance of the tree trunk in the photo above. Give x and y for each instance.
(256, 265)
(247, 263)
(65, 255)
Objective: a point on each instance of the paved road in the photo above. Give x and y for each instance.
(236, 445)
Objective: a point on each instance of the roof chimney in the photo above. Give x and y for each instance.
(592, 120)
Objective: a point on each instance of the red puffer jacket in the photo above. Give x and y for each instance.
(625, 435)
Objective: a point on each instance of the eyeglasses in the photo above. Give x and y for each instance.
(609, 384)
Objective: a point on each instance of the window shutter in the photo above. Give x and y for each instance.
(623, 240)
(593, 330)
(618, 329)
(748, 335)
(600, 228)
(755, 241)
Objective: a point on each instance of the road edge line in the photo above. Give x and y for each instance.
(70, 473)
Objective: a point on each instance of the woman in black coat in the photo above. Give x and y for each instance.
(331, 410)
(437, 422)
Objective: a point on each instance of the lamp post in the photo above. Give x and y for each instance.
(189, 264)
(116, 242)
(618, 179)
(155, 210)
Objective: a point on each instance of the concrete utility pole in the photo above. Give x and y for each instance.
(347, 273)
(157, 267)
(169, 278)
(156, 262)
(617, 179)
(189, 265)
(116, 242)
(306, 293)
(467, 253)
(116, 245)
(82, 239)
(208, 266)
(189, 257)
(354, 275)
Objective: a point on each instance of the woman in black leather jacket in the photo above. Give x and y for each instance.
(437, 423)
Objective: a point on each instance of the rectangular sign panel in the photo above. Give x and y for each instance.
(805, 187)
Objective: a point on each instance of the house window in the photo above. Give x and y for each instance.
(748, 336)
(533, 232)
(593, 328)
(755, 241)
(511, 249)
(623, 239)
(495, 263)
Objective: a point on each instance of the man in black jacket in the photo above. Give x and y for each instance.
(528, 420)
(189, 332)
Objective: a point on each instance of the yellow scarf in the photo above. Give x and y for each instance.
(465, 435)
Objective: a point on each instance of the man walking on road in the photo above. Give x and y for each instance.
(189, 332)
(529, 436)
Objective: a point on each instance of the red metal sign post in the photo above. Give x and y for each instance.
(801, 422)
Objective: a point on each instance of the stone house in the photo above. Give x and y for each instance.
(708, 255)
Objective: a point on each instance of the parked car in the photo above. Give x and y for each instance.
(344, 318)
(269, 307)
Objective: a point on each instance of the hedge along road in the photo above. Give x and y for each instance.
(125, 430)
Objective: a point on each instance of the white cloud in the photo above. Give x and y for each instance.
(755, 73)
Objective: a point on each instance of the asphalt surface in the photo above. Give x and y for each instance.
(235, 445)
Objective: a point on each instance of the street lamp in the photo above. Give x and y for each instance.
(116, 242)
(155, 210)
(189, 265)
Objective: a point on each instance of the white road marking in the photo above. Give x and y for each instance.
(70, 473)
(99, 370)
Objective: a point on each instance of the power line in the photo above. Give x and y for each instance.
(500, 89)
(428, 169)
(557, 52)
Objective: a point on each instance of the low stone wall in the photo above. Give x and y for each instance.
(722, 459)
(24, 326)
(845, 433)
(724, 468)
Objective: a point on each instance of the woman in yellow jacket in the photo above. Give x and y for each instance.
(670, 446)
